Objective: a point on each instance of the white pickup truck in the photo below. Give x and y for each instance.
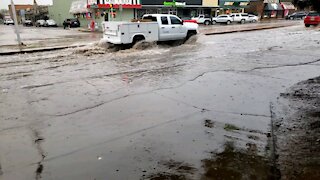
(153, 27)
(240, 17)
(203, 19)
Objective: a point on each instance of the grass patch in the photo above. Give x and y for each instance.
(230, 127)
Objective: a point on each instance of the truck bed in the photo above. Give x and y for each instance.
(119, 32)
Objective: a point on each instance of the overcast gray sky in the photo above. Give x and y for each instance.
(4, 3)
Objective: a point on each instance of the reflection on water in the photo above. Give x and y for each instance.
(235, 163)
(231, 163)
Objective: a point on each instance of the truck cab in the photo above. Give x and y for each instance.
(170, 26)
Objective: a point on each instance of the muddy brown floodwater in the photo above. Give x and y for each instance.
(297, 128)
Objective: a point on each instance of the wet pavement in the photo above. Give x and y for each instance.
(40, 37)
(201, 110)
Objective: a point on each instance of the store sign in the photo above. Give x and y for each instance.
(174, 4)
(118, 2)
(270, 1)
(228, 3)
(244, 3)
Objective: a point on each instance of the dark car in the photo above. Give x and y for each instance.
(27, 23)
(313, 18)
(72, 22)
(297, 15)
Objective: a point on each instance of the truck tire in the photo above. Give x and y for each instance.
(190, 33)
(137, 38)
(242, 21)
(214, 22)
(206, 23)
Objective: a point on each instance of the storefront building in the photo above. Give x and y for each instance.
(273, 9)
(288, 8)
(270, 8)
(233, 6)
(183, 9)
(114, 10)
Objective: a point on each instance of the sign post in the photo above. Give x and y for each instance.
(120, 9)
(16, 27)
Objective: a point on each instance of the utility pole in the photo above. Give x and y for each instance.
(16, 27)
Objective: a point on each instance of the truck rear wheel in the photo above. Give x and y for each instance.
(206, 23)
(137, 38)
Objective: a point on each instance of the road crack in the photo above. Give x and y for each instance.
(37, 141)
(284, 65)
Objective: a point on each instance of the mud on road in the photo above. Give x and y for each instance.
(297, 131)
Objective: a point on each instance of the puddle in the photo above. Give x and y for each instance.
(234, 163)
(174, 171)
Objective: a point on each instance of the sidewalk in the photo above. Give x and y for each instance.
(43, 39)
(217, 29)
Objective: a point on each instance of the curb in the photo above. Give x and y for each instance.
(245, 30)
(38, 50)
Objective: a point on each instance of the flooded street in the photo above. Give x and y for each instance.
(203, 110)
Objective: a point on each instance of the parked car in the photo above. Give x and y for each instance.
(159, 27)
(50, 23)
(203, 19)
(72, 22)
(8, 22)
(253, 18)
(313, 18)
(187, 19)
(27, 23)
(296, 15)
(224, 18)
(40, 23)
(240, 17)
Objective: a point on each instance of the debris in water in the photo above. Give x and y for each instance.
(230, 127)
(208, 123)
(142, 45)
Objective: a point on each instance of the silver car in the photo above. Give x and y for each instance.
(224, 18)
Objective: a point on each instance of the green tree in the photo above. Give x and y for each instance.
(302, 4)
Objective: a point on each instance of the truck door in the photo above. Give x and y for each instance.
(178, 30)
(165, 28)
(201, 19)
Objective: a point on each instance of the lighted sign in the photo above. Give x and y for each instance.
(174, 4)
(244, 3)
(228, 3)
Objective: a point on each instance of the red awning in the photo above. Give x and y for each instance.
(287, 5)
(117, 6)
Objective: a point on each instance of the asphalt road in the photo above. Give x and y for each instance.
(201, 110)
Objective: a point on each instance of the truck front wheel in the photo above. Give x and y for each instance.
(190, 33)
